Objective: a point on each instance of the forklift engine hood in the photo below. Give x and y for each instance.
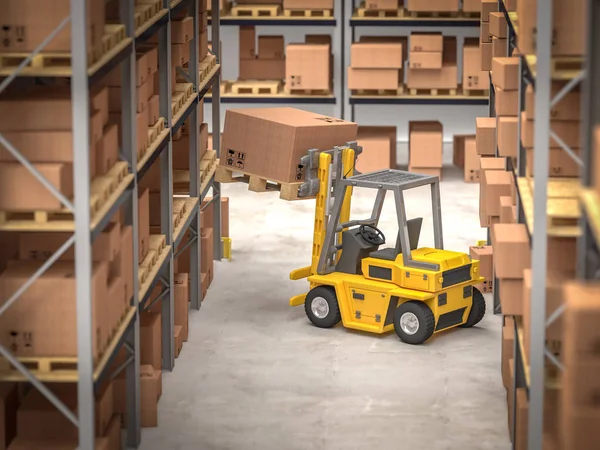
(446, 259)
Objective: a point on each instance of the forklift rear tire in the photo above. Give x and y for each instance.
(414, 322)
(321, 307)
(477, 310)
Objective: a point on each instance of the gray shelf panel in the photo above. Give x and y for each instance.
(275, 100)
(276, 21)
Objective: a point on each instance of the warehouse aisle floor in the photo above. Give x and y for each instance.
(255, 374)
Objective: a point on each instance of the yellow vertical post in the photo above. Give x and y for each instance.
(320, 226)
(348, 168)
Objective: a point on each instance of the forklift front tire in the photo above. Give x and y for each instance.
(321, 307)
(414, 322)
(477, 309)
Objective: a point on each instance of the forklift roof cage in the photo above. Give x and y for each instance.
(397, 181)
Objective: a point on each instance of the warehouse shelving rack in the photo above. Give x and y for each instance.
(83, 77)
(536, 70)
(295, 99)
(400, 21)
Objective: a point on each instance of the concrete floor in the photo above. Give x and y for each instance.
(255, 374)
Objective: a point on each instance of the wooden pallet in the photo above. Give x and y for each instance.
(226, 8)
(308, 13)
(206, 163)
(150, 260)
(476, 92)
(377, 92)
(294, 91)
(142, 14)
(176, 103)
(364, 12)
(470, 14)
(255, 87)
(255, 10)
(433, 92)
(157, 243)
(101, 189)
(179, 207)
(287, 191)
(206, 66)
(154, 6)
(113, 34)
(187, 89)
(561, 67)
(419, 14)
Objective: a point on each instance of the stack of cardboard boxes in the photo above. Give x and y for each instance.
(309, 66)
(506, 79)
(498, 29)
(266, 64)
(473, 78)
(485, 41)
(432, 62)
(425, 148)
(376, 65)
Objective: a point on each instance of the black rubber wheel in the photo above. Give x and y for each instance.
(414, 322)
(321, 307)
(477, 309)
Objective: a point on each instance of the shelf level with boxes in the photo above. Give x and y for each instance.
(81, 228)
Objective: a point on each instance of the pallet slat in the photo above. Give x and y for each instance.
(287, 191)
(255, 10)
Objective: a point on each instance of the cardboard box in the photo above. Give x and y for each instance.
(306, 4)
(382, 5)
(508, 339)
(568, 28)
(430, 171)
(141, 72)
(505, 73)
(494, 184)
(506, 102)
(472, 162)
(370, 79)
(522, 419)
(425, 60)
(107, 150)
(568, 131)
(473, 77)
(117, 304)
(445, 78)
(29, 325)
(569, 107)
(379, 148)
(376, 55)
(207, 252)
(484, 33)
(458, 149)
(182, 298)
(153, 110)
(224, 216)
(150, 339)
(182, 30)
(425, 144)
(511, 296)
(432, 5)
(560, 163)
(508, 136)
(247, 39)
(471, 6)
(499, 47)
(143, 224)
(9, 403)
(271, 47)
(492, 163)
(150, 390)
(486, 56)
(486, 135)
(485, 256)
(249, 147)
(426, 42)
(308, 67)
(488, 7)
(498, 25)
(506, 210)
(512, 254)
(262, 69)
(581, 335)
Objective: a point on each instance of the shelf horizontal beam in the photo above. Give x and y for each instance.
(418, 100)
(275, 99)
(414, 22)
(277, 21)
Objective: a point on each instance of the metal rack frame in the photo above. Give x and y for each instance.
(85, 228)
(534, 379)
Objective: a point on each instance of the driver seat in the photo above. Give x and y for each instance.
(391, 253)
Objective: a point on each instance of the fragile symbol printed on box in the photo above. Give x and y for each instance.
(235, 158)
(329, 119)
(25, 340)
(12, 35)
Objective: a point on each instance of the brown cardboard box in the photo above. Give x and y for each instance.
(13, 176)
(262, 69)
(492, 163)
(150, 390)
(472, 162)
(182, 30)
(507, 136)
(116, 305)
(432, 5)
(143, 224)
(505, 73)
(382, 5)
(425, 144)
(568, 29)
(9, 403)
(494, 184)
(581, 335)
(506, 209)
(486, 135)
(178, 340)
(471, 6)
(426, 42)
(150, 340)
(488, 7)
(486, 55)
(511, 296)
(425, 60)
(498, 25)
(458, 148)
(25, 30)
(141, 72)
(308, 66)
(507, 102)
(376, 55)
(522, 419)
(224, 216)
(153, 110)
(368, 79)
(182, 298)
(271, 47)
(485, 256)
(568, 131)
(560, 163)
(123, 266)
(512, 254)
(430, 171)
(207, 252)
(29, 325)
(99, 100)
(379, 148)
(473, 76)
(397, 39)
(484, 33)
(248, 147)
(107, 150)
(499, 47)
(508, 339)
(569, 107)
(445, 78)
(142, 93)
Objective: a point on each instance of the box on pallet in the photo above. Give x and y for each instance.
(484, 255)
(432, 5)
(305, 4)
(245, 140)
(308, 67)
(382, 5)
(444, 78)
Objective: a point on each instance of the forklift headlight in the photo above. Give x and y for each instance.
(475, 269)
(441, 280)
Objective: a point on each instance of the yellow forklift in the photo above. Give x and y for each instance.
(354, 279)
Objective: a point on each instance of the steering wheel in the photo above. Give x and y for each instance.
(372, 235)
